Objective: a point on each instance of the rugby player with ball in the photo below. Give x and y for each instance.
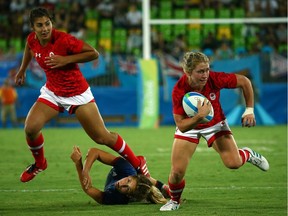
(198, 78)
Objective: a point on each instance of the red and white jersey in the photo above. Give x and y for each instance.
(66, 81)
(215, 82)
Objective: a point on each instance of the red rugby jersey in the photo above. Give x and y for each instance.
(66, 81)
(215, 82)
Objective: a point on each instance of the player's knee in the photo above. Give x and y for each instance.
(233, 164)
(107, 139)
(31, 130)
(102, 140)
(177, 174)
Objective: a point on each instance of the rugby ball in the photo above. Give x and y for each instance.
(189, 104)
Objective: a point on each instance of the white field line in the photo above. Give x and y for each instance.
(189, 189)
(261, 145)
(205, 149)
(40, 190)
(256, 142)
(236, 188)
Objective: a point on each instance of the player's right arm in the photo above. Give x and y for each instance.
(27, 57)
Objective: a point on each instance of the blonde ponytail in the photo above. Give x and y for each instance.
(155, 196)
(145, 190)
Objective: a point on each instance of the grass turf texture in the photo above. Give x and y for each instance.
(211, 189)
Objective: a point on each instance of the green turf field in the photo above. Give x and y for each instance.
(211, 189)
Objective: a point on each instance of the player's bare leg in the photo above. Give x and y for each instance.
(38, 115)
(92, 122)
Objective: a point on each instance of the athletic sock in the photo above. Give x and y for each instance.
(125, 151)
(176, 190)
(37, 148)
(244, 155)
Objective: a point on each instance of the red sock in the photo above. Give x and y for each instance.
(124, 150)
(176, 190)
(37, 149)
(244, 155)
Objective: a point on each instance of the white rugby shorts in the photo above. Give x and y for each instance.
(210, 134)
(68, 103)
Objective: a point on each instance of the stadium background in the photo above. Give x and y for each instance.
(258, 50)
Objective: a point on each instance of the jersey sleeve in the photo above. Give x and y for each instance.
(178, 93)
(224, 80)
(73, 44)
(30, 39)
(177, 104)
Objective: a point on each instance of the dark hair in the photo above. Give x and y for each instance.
(37, 13)
(145, 190)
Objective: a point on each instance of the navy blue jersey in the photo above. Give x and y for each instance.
(121, 169)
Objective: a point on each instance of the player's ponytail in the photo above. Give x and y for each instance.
(155, 196)
(145, 190)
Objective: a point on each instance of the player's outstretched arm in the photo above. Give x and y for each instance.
(21, 74)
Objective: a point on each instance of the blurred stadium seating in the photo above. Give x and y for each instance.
(119, 65)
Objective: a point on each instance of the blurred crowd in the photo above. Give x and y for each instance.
(85, 19)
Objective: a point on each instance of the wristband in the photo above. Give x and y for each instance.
(159, 185)
(248, 110)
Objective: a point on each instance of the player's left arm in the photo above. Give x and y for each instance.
(88, 53)
(248, 117)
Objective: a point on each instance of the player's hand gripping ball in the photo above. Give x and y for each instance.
(189, 104)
